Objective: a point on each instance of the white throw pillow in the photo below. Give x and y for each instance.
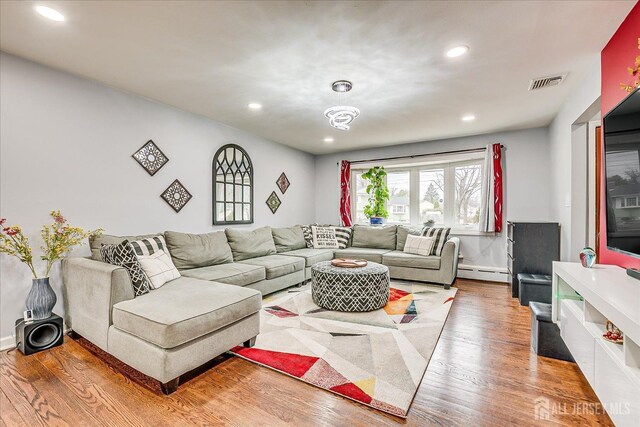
(324, 237)
(418, 245)
(159, 268)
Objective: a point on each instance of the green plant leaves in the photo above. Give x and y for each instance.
(378, 192)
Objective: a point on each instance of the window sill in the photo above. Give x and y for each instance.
(454, 232)
(472, 233)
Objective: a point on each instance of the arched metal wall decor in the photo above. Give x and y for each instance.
(232, 186)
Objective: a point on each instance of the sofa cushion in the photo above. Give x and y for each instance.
(312, 256)
(198, 250)
(403, 259)
(366, 236)
(183, 310)
(95, 242)
(370, 254)
(233, 273)
(401, 235)
(288, 239)
(277, 265)
(247, 244)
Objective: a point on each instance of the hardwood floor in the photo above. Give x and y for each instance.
(482, 373)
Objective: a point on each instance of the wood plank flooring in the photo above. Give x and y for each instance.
(482, 373)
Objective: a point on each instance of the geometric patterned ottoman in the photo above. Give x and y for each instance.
(350, 289)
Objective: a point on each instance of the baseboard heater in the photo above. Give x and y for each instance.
(480, 272)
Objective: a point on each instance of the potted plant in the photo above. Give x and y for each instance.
(376, 209)
(58, 239)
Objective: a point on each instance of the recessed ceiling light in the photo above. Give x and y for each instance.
(254, 106)
(457, 51)
(468, 118)
(328, 140)
(49, 13)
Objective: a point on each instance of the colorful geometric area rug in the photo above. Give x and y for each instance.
(376, 358)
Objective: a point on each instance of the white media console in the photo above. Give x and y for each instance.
(583, 300)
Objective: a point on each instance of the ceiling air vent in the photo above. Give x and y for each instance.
(548, 81)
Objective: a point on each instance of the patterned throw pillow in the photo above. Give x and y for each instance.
(419, 245)
(149, 245)
(308, 235)
(324, 237)
(159, 268)
(441, 235)
(343, 234)
(123, 255)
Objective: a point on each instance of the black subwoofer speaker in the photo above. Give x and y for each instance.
(38, 335)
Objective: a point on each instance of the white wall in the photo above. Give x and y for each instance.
(579, 101)
(526, 160)
(66, 143)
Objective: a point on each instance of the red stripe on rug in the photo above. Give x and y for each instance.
(353, 391)
(293, 364)
(396, 294)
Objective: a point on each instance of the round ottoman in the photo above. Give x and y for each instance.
(350, 289)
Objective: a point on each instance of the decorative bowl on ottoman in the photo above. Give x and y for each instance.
(350, 289)
(349, 263)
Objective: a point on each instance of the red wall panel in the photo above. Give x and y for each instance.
(619, 54)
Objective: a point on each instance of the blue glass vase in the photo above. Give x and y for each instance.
(587, 257)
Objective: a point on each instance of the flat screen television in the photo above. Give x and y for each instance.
(622, 170)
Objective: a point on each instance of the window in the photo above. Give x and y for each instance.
(399, 193)
(449, 194)
(631, 202)
(232, 186)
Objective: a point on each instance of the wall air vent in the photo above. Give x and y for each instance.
(548, 81)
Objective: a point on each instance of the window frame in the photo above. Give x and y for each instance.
(449, 195)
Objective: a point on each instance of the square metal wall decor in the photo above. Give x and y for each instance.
(150, 157)
(283, 183)
(273, 202)
(176, 195)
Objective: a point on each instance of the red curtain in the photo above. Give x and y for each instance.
(345, 193)
(497, 186)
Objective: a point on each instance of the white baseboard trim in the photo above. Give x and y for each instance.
(7, 343)
(479, 272)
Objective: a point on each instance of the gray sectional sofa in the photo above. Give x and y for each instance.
(214, 305)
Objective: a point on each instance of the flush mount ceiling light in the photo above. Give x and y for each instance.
(468, 118)
(341, 86)
(341, 116)
(49, 13)
(328, 140)
(457, 51)
(254, 106)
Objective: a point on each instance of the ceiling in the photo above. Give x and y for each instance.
(213, 58)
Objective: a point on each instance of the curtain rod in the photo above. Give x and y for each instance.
(469, 150)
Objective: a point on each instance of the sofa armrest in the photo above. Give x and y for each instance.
(91, 288)
(449, 258)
